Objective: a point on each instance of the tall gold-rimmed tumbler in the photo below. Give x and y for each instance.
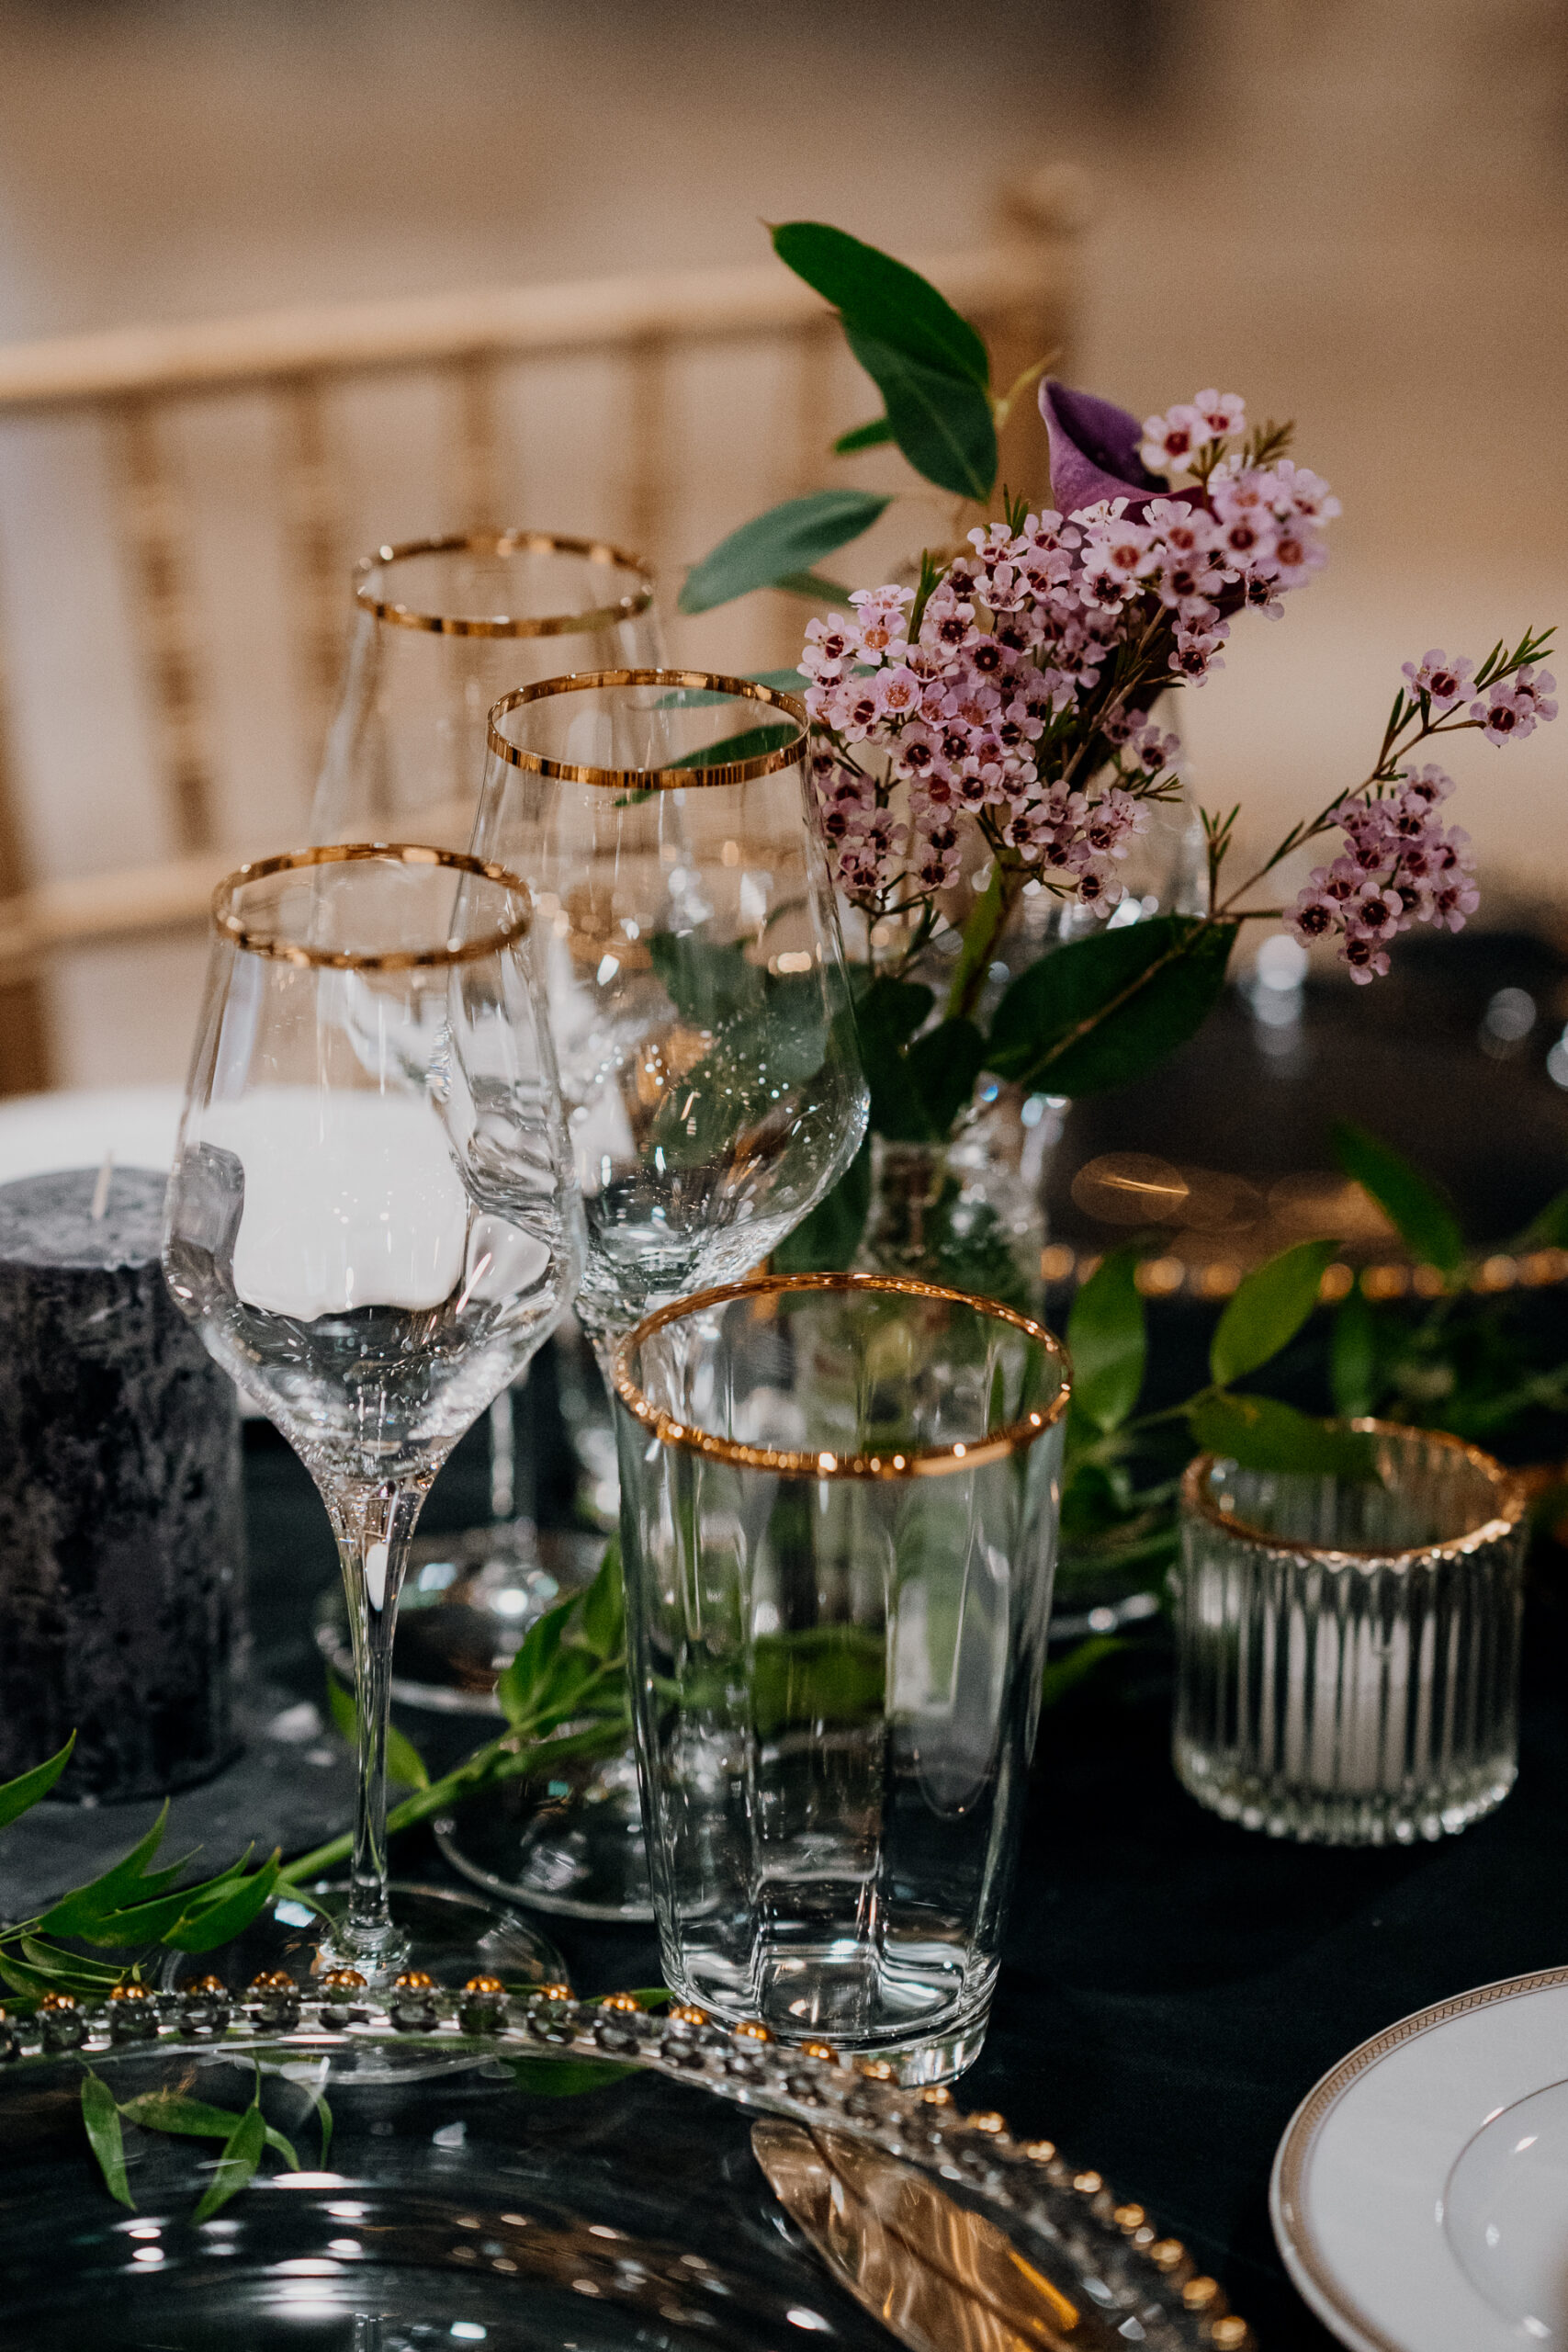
(839, 1511)
(1347, 1652)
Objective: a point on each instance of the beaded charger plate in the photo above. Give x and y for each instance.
(586, 2177)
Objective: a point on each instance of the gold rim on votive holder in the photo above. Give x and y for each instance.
(393, 959)
(913, 1462)
(504, 543)
(669, 779)
(1509, 1495)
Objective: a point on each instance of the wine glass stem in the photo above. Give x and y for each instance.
(372, 1526)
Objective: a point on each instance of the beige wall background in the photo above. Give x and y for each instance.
(1352, 211)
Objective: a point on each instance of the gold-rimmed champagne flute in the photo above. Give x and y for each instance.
(443, 626)
(372, 1219)
(690, 953)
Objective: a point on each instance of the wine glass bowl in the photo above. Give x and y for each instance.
(371, 1218)
(689, 953)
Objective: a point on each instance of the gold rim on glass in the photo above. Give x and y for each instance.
(920, 1462)
(504, 543)
(1507, 1490)
(396, 959)
(670, 779)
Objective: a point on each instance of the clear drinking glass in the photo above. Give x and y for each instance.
(371, 1217)
(689, 946)
(839, 1511)
(1348, 1653)
(444, 627)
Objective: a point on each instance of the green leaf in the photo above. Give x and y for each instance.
(604, 1606)
(1107, 1342)
(1260, 1433)
(1100, 1011)
(783, 681)
(1548, 1229)
(707, 985)
(1068, 1673)
(565, 2077)
(75, 1913)
(886, 1015)
(863, 436)
(192, 2119)
(751, 744)
(943, 422)
(325, 2114)
(1353, 1356)
(1268, 1310)
(521, 1687)
(16, 1795)
(404, 1762)
(787, 539)
(104, 2137)
(817, 589)
(1426, 1223)
(943, 1065)
(826, 1241)
(219, 1921)
(883, 297)
(236, 2166)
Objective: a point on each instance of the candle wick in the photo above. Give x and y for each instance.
(101, 1189)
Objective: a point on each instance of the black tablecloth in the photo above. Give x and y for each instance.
(1172, 1985)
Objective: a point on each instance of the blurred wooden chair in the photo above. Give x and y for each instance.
(344, 428)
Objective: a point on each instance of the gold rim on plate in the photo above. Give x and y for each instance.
(1507, 1491)
(504, 543)
(398, 960)
(668, 779)
(922, 1462)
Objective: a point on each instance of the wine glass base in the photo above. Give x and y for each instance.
(447, 1933)
(573, 1845)
(467, 1601)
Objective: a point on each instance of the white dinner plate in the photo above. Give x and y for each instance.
(1420, 2194)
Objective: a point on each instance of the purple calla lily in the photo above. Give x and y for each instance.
(1094, 452)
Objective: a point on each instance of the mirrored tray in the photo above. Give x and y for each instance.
(578, 2177)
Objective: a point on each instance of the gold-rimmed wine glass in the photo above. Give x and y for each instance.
(371, 1218)
(442, 628)
(690, 953)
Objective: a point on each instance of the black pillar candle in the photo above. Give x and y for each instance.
(121, 1558)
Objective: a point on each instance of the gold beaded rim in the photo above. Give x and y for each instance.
(670, 779)
(1508, 1492)
(916, 1462)
(504, 543)
(399, 959)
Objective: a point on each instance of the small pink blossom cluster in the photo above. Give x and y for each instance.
(1019, 699)
(1400, 865)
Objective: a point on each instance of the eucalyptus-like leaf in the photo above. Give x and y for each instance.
(217, 1922)
(1107, 1342)
(404, 1762)
(883, 297)
(749, 743)
(1353, 1356)
(815, 588)
(522, 1688)
(1100, 1011)
(1260, 1433)
(104, 2137)
(792, 537)
(943, 1064)
(1067, 1674)
(17, 1795)
(1267, 1310)
(77, 1913)
(826, 1241)
(603, 1618)
(236, 2166)
(783, 681)
(173, 2112)
(943, 422)
(886, 1015)
(863, 436)
(1426, 1223)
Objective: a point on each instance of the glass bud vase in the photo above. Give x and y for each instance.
(968, 1213)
